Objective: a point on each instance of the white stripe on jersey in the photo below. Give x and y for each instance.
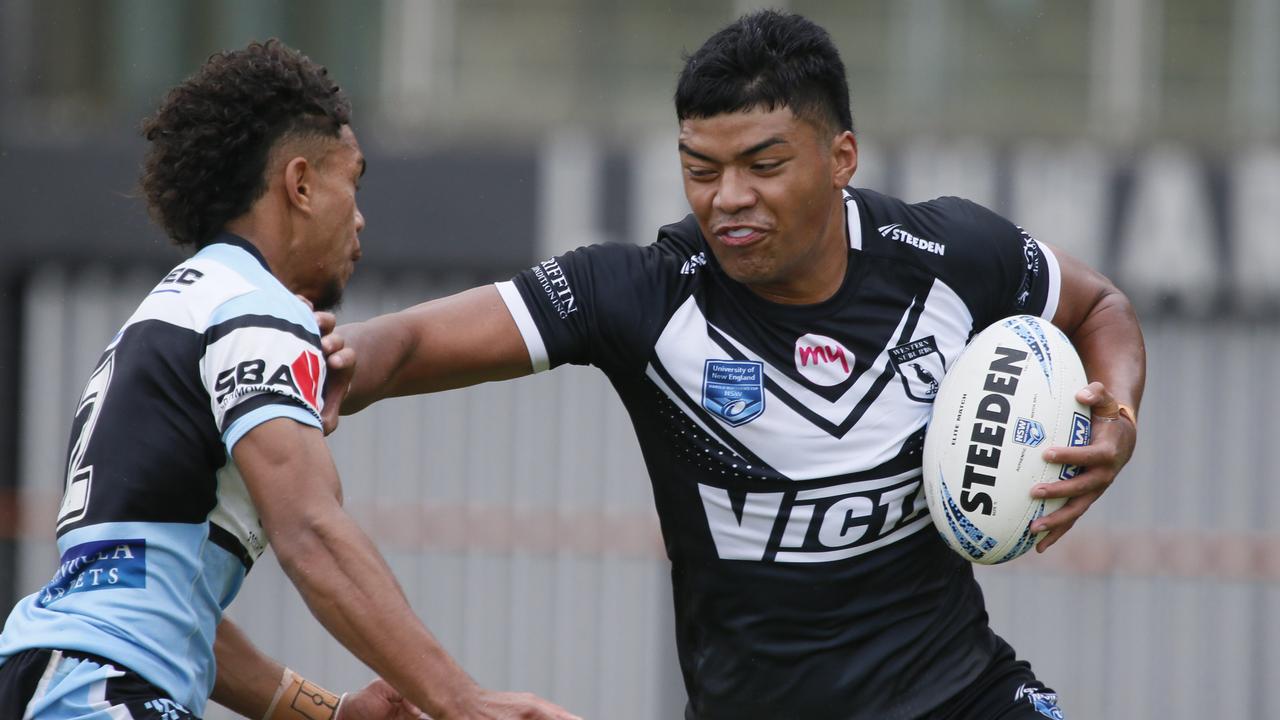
(853, 221)
(1055, 282)
(538, 357)
(217, 285)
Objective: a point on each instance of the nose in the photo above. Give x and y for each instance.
(734, 192)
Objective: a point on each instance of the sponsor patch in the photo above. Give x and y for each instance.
(99, 565)
(1045, 703)
(1028, 432)
(921, 366)
(733, 390)
(556, 285)
(823, 360)
(1080, 432)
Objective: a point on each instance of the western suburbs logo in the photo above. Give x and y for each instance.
(895, 232)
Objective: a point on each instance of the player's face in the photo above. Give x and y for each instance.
(333, 245)
(765, 187)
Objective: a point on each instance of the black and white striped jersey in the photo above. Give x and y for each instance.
(783, 444)
(156, 530)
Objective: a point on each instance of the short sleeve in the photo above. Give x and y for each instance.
(262, 360)
(600, 305)
(997, 267)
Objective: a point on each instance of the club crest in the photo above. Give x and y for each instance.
(733, 390)
(921, 366)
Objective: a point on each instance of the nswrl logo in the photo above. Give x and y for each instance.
(733, 390)
(1080, 431)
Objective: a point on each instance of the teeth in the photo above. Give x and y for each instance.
(739, 232)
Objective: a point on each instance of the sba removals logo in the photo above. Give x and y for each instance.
(1079, 437)
(733, 390)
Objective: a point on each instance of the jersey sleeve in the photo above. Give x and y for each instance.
(598, 305)
(997, 267)
(262, 360)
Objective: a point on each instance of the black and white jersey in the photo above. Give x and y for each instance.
(784, 448)
(156, 529)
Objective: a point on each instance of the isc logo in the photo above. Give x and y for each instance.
(819, 525)
(302, 376)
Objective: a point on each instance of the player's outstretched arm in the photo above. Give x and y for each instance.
(452, 342)
(252, 684)
(291, 477)
(1102, 325)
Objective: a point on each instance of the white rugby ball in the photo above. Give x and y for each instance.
(1008, 397)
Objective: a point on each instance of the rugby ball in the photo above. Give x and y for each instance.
(1008, 397)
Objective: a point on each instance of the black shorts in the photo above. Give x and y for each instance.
(59, 685)
(1006, 690)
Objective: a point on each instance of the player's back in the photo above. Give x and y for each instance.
(156, 530)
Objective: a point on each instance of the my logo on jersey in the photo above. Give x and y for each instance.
(1028, 432)
(99, 565)
(733, 390)
(921, 366)
(1080, 431)
(823, 360)
(819, 525)
(895, 232)
(302, 376)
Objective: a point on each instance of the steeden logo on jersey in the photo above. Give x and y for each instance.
(895, 232)
(823, 360)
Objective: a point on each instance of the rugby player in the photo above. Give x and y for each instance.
(197, 441)
(778, 351)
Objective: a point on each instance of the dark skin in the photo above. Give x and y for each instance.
(766, 188)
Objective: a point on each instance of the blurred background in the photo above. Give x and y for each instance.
(1143, 136)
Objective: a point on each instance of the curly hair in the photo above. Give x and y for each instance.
(212, 135)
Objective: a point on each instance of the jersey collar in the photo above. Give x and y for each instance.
(227, 238)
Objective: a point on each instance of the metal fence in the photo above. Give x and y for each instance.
(519, 519)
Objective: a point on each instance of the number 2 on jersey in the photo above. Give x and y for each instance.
(75, 499)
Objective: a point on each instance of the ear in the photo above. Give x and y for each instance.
(297, 183)
(844, 154)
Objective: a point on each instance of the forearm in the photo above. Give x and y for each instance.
(247, 679)
(1109, 341)
(448, 343)
(352, 592)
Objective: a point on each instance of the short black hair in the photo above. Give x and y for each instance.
(212, 135)
(770, 60)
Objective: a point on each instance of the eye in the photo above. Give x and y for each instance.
(767, 166)
(700, 173)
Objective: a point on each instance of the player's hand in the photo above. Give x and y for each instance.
(1110, 447)
(341, 361)
(491, 705)
(378, 701)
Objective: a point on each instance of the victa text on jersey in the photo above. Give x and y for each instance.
(815, 525)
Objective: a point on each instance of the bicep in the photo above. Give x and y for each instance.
(1081, 290)
(289, 473)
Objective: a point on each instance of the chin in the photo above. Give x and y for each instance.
(330, 297)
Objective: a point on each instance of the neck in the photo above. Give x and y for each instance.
(270, 241)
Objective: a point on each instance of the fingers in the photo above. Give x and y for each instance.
(327, 322)
(1062, 520)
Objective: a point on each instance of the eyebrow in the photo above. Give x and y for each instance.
(758, 147)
